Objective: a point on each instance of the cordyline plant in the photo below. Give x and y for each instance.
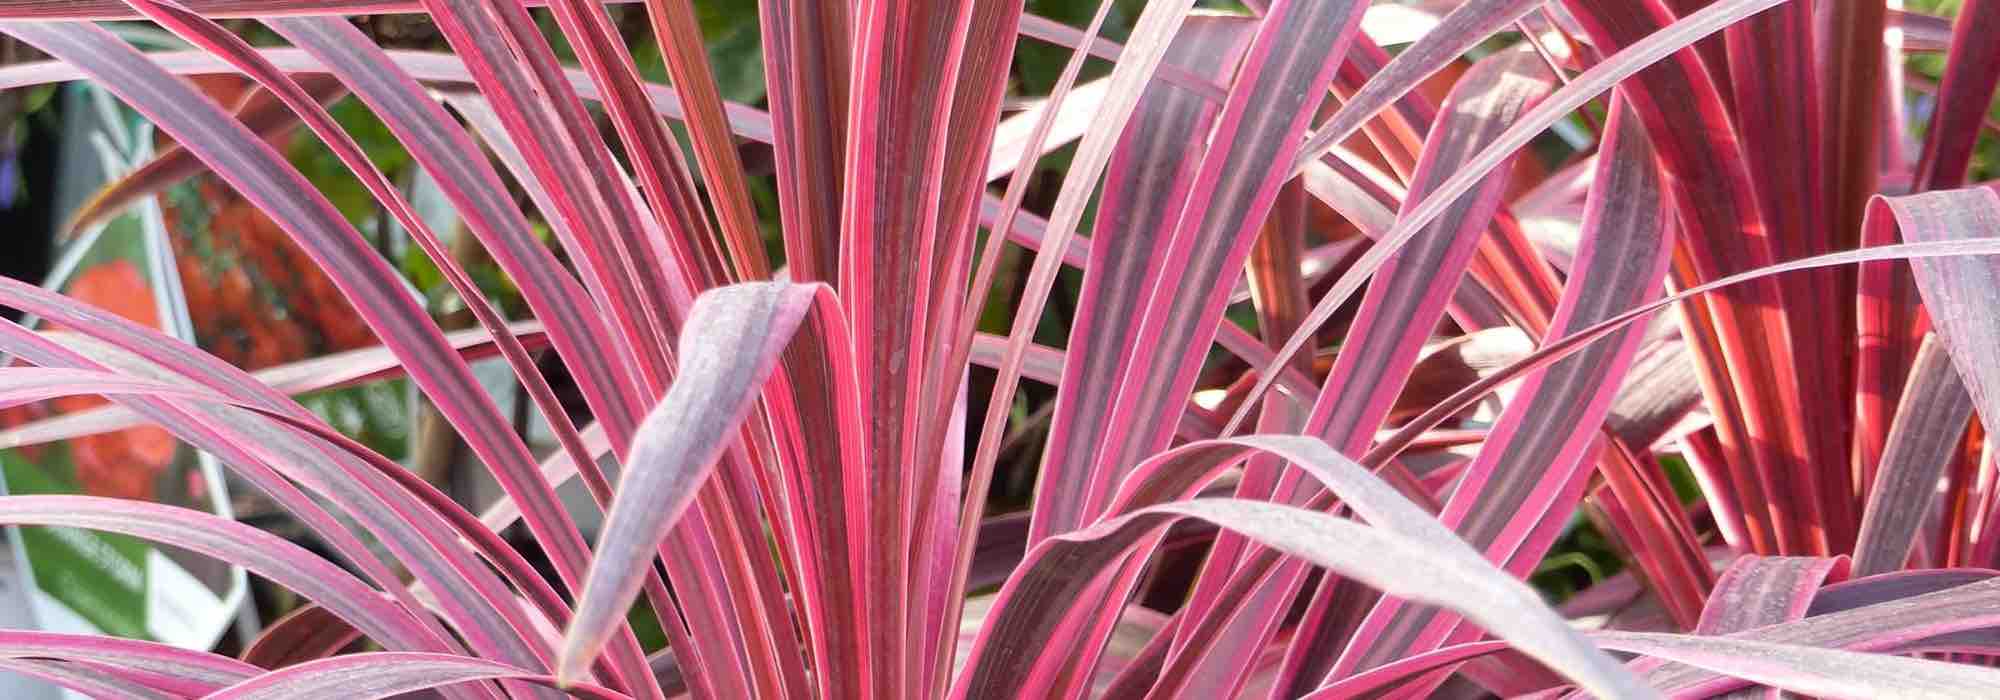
(792, 440)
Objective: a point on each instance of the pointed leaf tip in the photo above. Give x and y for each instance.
(729, 346)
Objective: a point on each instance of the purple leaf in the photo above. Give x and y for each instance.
(81, 678)
(1039, 599)
(1462, 29)
(1958, 291)
(1581, 89)
(383, 674)
(1923, 441)
(167, 668)
(1527, 473)
(308, 633)
(1152, 162)
(1810, 670)
(377, 293)
(1758, 591)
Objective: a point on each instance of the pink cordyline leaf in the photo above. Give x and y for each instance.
(265, 554)
(259, 451)
(1905, 623)
(1513, 282)
(1040, 597)
(378, 294)
(712, 584)
(40, 383)
(1153, 161)
(1929, 421)
(1413, 288)
(338, 47)
(1355, 190)
(1010, 136)
(1891, 325)
(935, 550)
(258, 110)
(462, 575)
(1659, 393)
(1896, 585)
(820, 452)
(1958, 291)
(971, 132)
(1382, 680)
(1562, 347)
(667, 182)
(26, 384)
(827, 535)
(971, 153)
(1037, 27)
(1051, 31)
(1713, 51)
(1983, 545)
(1921, 32)
(1533, 457)
(117, 9)
(908, 59)
(1558, 348)
(806, 56)
(1900, 612)
(375, 675)
(1464, 28)
(219, 40)
(1287, 69)
(557, 469)
(1646, 514)
(304, 376)
(1810, 670)
(1772, 65)
(167, 668)
(19, 385)
(1398, 136)
(680, 443)
(1149, 41)
(1954, 293)
(1041, 363)
(1853, 51)
(1757, 591)
(745, 122)
(1852, 55)
(681, 42)
(578, 332)
(1580, 90)
(1750, 371)
(83, 679)
(985, 55)
(515, 69)
(1281, 297)
(443, 68)
(308, 633)
(628, 656)
(1415, 285)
